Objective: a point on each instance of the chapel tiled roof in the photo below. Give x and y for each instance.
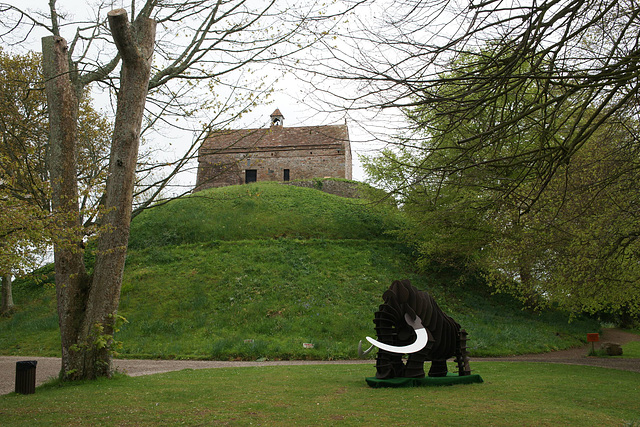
(276, 138)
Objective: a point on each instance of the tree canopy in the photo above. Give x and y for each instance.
(462, 60)
(573, 247)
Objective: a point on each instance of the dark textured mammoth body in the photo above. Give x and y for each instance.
(446, 338)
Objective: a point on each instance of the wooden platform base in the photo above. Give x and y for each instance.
(450, 379)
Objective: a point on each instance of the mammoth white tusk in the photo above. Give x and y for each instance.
(421, 340)
(363, 353)
(418, 345)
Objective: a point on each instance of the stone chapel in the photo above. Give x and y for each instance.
(276, 153)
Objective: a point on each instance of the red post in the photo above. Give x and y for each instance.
(593, 338)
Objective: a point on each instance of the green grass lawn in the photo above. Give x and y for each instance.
(524, 394)
(631, 350)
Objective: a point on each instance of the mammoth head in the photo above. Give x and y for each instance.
(421, 340)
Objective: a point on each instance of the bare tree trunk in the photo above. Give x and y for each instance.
(71, 279)
(7, 297)
(87, 307)
(135, 44)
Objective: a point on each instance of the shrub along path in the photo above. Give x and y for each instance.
(49, 367)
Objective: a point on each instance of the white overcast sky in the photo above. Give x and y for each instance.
(288, 97)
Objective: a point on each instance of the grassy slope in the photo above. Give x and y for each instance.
(256, 271)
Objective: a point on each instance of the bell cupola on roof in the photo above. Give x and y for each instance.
(277, 119)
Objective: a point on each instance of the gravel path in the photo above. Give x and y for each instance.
(578, 356)
(48, 367)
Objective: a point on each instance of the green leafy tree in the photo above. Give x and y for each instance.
(27, 226)
(454, 187)
(22, 170)
(550, 251)
(462, 59)
(580, 242)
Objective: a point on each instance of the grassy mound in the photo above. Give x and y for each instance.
(261, 211)
(258, 271)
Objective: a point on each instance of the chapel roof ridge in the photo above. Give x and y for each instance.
(266, 128)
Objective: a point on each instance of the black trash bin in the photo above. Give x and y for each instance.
(26, 376)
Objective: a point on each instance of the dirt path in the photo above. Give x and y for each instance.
(49, 367)
(578, 356)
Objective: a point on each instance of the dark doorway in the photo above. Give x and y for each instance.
(251, 175)
(286, 175)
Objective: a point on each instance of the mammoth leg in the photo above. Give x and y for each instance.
(438, 368)
(415, 366)
(389, 365)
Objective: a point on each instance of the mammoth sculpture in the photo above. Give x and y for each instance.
(410, 322)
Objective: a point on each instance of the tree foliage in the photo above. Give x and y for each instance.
(27, 225)
(579, 243)
(574, 246)
(513, 110)
(461, 60)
